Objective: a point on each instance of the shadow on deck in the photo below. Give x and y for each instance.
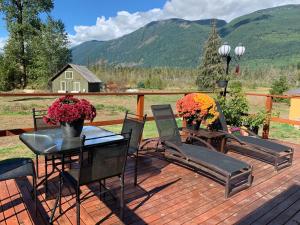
(166, 194)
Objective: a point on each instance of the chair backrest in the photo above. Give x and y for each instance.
(221, 122)
(134, 124)
(103, 161)
(166, 123)
(38, 122)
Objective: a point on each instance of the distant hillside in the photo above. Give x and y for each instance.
(271, 36)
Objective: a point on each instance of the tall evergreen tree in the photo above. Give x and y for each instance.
(50, 51)
(212, 66)
(23, 22)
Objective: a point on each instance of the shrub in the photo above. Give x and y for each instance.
(236, 86)
(279, 87)
(154, 83)
(140, 84)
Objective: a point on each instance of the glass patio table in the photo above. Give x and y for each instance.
(51, 142)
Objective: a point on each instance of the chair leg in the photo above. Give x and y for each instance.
(135, 169)
(34, 190)
(37, 165)
(46, 174)
(78, 205)
(60, 190)
(122, 198)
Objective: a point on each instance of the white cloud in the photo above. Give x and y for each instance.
(2, 43)
(125, 22)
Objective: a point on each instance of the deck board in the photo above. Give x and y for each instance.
(166, 194)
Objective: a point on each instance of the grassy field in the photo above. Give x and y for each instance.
(15, 112)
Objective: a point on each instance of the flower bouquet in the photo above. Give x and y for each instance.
(196, 107)
(70, 113)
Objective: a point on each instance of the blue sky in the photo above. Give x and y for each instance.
(109, 19)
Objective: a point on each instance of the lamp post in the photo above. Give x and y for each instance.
(224, 51)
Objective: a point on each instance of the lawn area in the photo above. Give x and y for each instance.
(13, 147)
(15, 112)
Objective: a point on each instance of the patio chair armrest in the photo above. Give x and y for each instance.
(203, 142)
(231, 136)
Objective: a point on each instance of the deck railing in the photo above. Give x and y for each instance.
(140, 107)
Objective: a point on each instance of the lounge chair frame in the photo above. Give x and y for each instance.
(279, 160)
(233, 182)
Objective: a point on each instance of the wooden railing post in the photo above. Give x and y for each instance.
(140, 106)
(266, 127)
(183, 119)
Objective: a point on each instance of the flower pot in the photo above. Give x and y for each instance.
(222, 83)
(72, 129)
(193, 125)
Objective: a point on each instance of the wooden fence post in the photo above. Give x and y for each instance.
(140, 106)
(266, 127)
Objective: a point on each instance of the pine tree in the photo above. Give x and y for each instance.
(35, 49)
(50, 52)
(212, 65)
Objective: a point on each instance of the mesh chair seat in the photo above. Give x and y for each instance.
(269, 146)
(15, 168)
(217, 160)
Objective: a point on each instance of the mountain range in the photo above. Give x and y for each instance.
(271, 37)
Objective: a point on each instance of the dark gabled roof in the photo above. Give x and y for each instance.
(293, 92)
(83, 70)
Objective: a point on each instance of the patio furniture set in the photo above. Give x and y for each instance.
(100, 154)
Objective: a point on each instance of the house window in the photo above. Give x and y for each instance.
(76, 86)
(69, 74)
(63, 86)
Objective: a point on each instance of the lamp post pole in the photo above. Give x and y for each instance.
(224, 51)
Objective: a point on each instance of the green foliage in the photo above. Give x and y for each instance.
(234, 108)
(278, 87)
(255, 120)
(34, 49)
(212, 66)
(50, 52)
(235, 86)
(140, 84)
(154, 83)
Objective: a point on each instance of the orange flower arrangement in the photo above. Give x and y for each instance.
(197, 106)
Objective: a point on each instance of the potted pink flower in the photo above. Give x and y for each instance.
(70, 113)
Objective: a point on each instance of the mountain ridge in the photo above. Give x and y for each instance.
(271, 36)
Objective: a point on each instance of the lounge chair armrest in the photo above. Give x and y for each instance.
(173, 146)
(203, 142)
(229, 135)
(249, 132)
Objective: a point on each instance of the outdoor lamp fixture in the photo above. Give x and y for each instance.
(224, 51)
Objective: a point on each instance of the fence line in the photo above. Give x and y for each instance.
(140, 107)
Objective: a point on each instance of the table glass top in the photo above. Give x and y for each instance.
(51, 141)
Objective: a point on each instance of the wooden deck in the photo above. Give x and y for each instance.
(167, 194)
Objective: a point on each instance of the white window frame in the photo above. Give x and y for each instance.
(74, 86)
(71, 72)
(61, 82)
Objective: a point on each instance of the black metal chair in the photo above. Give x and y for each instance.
(104, 161)
(235, 174)
(135, 124)
(39, 124)
(279, 155)
(19, 167)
